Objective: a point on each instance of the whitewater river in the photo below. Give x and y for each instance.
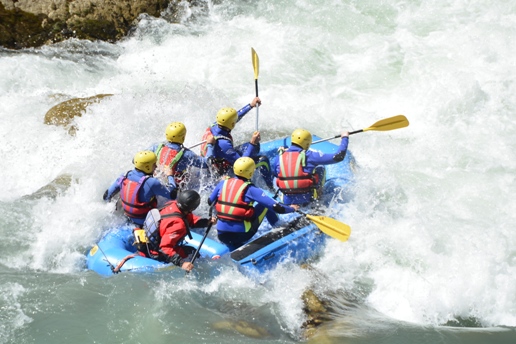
(432, 255)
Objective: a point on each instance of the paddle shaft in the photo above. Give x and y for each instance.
(197, 144)
(386, 124)
(202, 241)
(257, 111)
(337, 136)
(203, 238)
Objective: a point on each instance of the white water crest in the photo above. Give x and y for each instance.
(431, 208)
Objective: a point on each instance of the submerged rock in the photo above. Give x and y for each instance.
(63, 113)
(243, 327)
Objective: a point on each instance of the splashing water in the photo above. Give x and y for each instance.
(432, 254)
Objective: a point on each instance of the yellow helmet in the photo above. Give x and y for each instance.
(244, 167)
(176, 132)
(302, 137)
(145, 161)
(227, 117)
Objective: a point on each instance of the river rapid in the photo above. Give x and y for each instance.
(432, 254)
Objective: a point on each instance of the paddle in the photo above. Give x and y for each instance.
(203, 238)
(200, 244)
(197, 144)
(256, 63)
(386, 124)
(330, 226)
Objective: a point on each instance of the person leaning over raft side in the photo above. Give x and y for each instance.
(241, 206)
(300, 172)
(225, 154)
(176, 220)
(139, 190)
(179, 158)
(165, 230)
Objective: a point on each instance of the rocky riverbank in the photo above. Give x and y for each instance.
(29, 23)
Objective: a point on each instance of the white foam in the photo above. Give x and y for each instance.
(432, 210)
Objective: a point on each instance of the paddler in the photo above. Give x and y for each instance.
(300, 172)
(139, 189)
(241, 206)
(224, 153)
(180, 159)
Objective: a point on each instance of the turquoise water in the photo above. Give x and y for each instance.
(432, 256)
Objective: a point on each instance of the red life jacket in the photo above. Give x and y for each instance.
(174, 238)
(129, 196)
(170, 157)
(292, 179)
(204, 146)
(230, 204)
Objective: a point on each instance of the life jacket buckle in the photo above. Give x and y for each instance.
(140, 237)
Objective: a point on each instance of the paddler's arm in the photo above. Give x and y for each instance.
(199, 222)
(244, 110)
(176, 259)
(215, 194)
(253, 148)
(113, 189)
(153, 148)
(258, 195)
(228, 151)
(343, 147)
(315, 158)
(167, 191)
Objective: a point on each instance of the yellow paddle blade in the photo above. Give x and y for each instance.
(331, 227)
(390, 123)
(256, 63)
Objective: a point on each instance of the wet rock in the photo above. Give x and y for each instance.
(59, 185)
(63, 113)
(316, 311)
(312, 303)
(29, 23)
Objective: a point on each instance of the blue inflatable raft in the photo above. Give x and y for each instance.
(296, 241)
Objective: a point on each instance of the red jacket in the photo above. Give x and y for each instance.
(173, 229)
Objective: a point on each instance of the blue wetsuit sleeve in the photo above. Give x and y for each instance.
(243, 111)
(153, 187)
(252, 150)
(215, 193)
(171, 182)
(114, 188)
(275, 166)
(258, 195)
(209, 151)
(153, 148)
(191, 159)
(318, 158)
(343, 148)
(228, 152)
